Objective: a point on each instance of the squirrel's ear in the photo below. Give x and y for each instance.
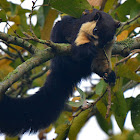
(117, 24)
(97, 16)
(87, 12)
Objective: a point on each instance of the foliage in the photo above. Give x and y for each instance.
(127, 70)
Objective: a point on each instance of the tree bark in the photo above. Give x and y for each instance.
(40, 56)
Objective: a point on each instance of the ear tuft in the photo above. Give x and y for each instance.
(97, 16)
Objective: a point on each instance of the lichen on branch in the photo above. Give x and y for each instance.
(40, 56)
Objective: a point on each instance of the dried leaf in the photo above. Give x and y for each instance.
(95, 2)
(135, 113)
(123, 35)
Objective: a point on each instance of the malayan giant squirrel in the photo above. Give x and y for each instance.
(90, 37)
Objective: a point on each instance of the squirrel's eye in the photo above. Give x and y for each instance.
(95, 31)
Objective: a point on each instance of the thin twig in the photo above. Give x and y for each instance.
(13, 29)
(18, 41)
(109, 101)
(49, 43)
(5, 27)
(13, 54)
(91, 105)
(39, 74)
(127, 23)
(11, 90)
(138, 69)
(106, 57)
(8, 52)
(6, 57)
(129, 85)
(126, 58)
(99, 98)
(41, 5)
(30, 17)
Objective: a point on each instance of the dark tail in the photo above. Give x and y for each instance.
(18, 115)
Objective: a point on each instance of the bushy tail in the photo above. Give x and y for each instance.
(18, 115)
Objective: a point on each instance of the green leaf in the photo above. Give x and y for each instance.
(3, 15)
(62, 131)
(125, 9)
(119, 108)
(21, 11)
(15, 28)
(36, 30)
(101, 87)
(135, 114)
(11, 138)
(40, 17)
(104, 124)
(46, 8)
(133, 135)
(122, 136)
(70, 7)
(138, 57)
(63, 118)
(42, 13)
(82, 94)
(82, 99)
(109, 4)
(49, 21)
(135, 10)
(23, 25)
(133, 63)
(78, 123)
(101, 107)
(5, 5)
(22, 0)
(125, 71)
(13, 8)
(129, 102)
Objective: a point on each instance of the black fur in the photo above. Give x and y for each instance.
(40, 110)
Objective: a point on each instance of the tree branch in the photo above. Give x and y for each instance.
(125, 47)
(54, 49)
(39, 57)
(129, 56)
(103, 5)
(18, 41)
(127, 23)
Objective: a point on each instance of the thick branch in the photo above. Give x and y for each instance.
(124, 48)
(18, 41)
(41, 56)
